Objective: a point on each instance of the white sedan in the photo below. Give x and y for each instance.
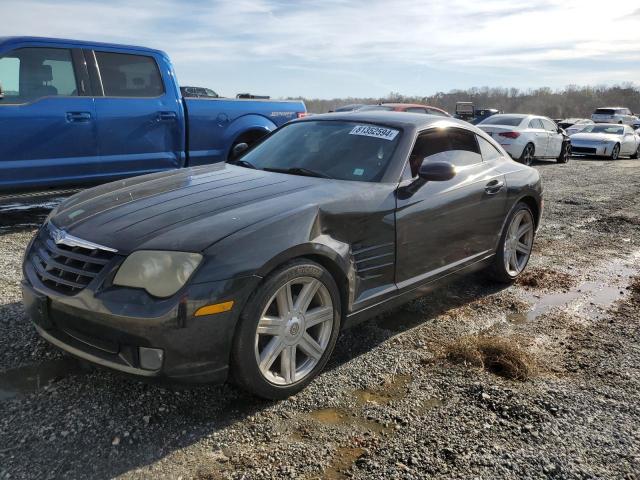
(526, 137)
(606, 140)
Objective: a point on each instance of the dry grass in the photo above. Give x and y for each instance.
(497, 355)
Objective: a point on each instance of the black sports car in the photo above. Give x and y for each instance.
(253, 268)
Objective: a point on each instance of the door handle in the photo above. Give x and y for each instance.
(167, 116)
(78, 117)
(493, 187)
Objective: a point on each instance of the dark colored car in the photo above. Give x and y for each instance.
(349, 108)
(406, 107)
(253, 268)
(481, 114)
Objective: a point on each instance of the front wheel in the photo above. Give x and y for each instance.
(516, 243)
(565, 153)
(615, 153)
(527, 154)
(287, 331)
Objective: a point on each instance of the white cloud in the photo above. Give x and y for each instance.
(344, 36)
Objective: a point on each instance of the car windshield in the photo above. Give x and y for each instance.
(332, 149)
(610, 129)
(508, 120)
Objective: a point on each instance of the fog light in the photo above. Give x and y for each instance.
(150, 358)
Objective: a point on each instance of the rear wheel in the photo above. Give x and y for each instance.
(565, 153)
(527, 154)
(287, 331)
(615, 153)
(636, 153)
(516, 243)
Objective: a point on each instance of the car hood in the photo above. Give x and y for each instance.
(595, 137)
(189, 209)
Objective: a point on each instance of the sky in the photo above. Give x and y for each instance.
(340, 48)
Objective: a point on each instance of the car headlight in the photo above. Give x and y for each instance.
(160, 273)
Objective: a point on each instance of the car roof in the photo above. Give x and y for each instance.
(388, 118)
(80, 43)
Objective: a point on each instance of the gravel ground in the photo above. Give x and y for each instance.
(391, 404)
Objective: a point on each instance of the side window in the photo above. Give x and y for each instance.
(125, 75)
(416, 110)
(27, 74)
(435, 112)
(489, 152)
(536, 123)
(549, 125)
(453, 145)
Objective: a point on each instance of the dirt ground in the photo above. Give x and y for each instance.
(397, 400)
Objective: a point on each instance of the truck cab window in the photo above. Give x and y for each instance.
(125, 75)
(27, 74)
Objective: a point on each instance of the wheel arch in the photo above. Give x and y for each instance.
(532, 203)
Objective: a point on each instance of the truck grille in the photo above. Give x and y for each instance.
(64, 268)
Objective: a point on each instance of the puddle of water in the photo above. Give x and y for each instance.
(342, 462)
(395, 389)
(32, 378)
(337, 417)
(586, 297)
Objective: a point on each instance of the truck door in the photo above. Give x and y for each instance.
(140, 121)
(47, 119)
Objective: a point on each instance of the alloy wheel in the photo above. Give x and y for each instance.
(528, 155)
(294, 331)
(615, 152)
(518, 243)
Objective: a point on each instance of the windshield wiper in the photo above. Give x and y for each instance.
(298, 171)
(243, 163)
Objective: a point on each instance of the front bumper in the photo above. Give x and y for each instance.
(108, 327)
(591, 148)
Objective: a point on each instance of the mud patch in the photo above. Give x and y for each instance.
(546, 278)
(341, 418)
(616, 223)
(500, 356)
(21, 381)
(342, 462)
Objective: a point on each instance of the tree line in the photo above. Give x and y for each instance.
(571, 101)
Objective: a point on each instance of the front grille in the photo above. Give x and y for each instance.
(583, 150)
(63, 268)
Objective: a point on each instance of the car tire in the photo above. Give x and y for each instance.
(615, 153)
(565, 153)
(528, 152)
(506, 268)
(275, 337)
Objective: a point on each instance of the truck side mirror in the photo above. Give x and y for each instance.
(238, 149)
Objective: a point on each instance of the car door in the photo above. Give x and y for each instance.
(539, 136)
(555, 139)
(628, 146)
(139, 117)
(442, 226)
(47, 119)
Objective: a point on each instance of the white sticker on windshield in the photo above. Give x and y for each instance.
(377, 132)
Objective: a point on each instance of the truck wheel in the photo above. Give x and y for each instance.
(287, 331)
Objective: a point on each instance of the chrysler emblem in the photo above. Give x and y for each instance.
(61, 237)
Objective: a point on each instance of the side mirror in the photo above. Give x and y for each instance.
(238, 149)
(436, 171)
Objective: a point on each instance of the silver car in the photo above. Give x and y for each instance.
(614, 115)
(606, 140)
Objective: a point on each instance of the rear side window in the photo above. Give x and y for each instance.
(489, 152)
(27, 74)
(125, 75)
(432, 111)
(604, 111)
(536, 123)
(416, 110)
(508, 120)
(452, 145)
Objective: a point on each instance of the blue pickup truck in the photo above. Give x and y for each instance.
(76, 113)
